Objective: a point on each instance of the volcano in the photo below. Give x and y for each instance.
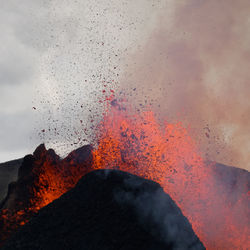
(108, 209)
(43, 178)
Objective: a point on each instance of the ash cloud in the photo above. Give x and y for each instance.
(195, 66)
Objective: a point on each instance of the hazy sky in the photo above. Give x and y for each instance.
(18, 59)
(191, 56)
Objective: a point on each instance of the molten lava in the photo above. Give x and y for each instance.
(168, 155)
(138, 144)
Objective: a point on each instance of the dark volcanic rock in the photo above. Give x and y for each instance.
(108, 209)
(25, 188)
(42, 177)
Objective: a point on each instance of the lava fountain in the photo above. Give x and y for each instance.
(137, 143)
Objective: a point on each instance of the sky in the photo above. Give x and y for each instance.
(190, 57)
(17, 76)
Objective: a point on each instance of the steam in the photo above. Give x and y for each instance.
(195, 67)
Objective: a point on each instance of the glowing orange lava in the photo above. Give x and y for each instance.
(168, 155)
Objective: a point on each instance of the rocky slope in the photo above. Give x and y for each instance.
(108, 209)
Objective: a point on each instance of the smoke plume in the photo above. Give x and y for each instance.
(194, 67)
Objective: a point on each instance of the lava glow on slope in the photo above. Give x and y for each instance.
(137, 143)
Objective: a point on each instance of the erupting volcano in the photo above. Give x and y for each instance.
(153, 91)
(213, 197)
(167, 154)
